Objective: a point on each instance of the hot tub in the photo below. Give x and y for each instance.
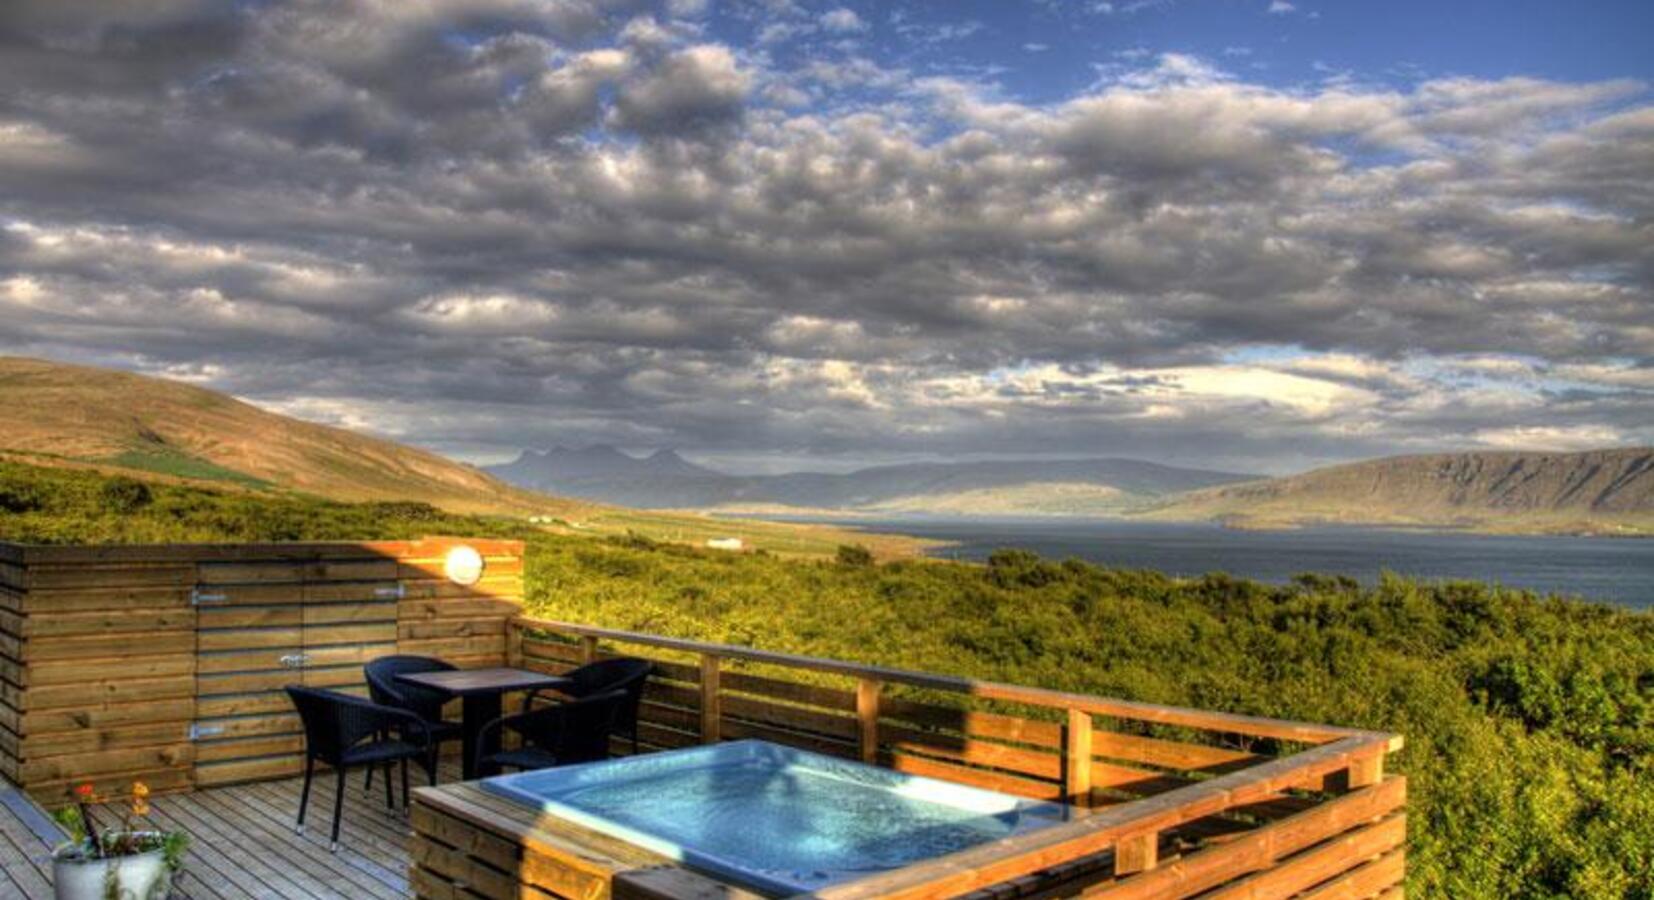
(773, 818)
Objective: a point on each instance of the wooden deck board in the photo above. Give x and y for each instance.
(243, 845)
(26, 840)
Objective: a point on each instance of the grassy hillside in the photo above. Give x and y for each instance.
(1595, 492)
(1529, 721)
(65, 505)
(696, 528)
(76, 414)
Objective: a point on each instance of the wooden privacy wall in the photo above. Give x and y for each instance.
(166, 663)
(1199, 799)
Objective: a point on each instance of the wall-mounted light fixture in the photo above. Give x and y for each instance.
(463, 565)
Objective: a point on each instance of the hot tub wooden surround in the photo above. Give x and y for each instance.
(165, 663)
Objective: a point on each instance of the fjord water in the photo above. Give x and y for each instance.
(1618, 570)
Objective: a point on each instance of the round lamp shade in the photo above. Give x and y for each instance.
(463, 565)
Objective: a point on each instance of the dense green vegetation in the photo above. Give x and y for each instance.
(59, 506)
(1530, 722)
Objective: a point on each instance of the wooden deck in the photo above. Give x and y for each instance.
(243, 845)
(27, 836)
(166, 665)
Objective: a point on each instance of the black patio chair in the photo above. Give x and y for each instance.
(621, 673)
(344, 731)
(573, 732)
(425, 703)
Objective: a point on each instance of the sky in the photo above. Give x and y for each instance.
(1258, 235)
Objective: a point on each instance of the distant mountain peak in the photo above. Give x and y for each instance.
(596, 451)
(669, 461)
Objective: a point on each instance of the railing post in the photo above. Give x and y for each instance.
(588, 649)
(1138, 853)
(1363, 771)
(1076, 776)
(711, 709)
(867, 714)
(1366, 771)
(513, 644)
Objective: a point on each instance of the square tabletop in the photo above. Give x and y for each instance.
(470, 682)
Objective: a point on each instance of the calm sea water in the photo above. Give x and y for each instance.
(1620, 570)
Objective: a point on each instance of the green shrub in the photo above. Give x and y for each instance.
(21, 498)
(853, 555)
(124, 496)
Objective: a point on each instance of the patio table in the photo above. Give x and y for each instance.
(480, 691)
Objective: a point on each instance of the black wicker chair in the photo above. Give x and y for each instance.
(344, 731)
(621, 673)
(573, 732)
(386, 690)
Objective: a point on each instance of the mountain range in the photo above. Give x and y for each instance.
(66, 415)
(1607, 491)
(665, 479)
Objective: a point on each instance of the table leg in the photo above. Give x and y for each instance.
(480, 709)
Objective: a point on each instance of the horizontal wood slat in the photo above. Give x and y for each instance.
(1218, 722)
(117, 660)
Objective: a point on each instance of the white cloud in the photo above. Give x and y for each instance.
(1558, 439)
(1280, 7)
(599, 226)
(842, 20)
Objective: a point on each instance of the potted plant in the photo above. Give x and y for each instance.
(128, 862)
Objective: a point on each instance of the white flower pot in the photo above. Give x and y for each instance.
(143, 876)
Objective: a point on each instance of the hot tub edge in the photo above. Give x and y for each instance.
(470, 841)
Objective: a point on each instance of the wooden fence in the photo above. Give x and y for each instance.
(166, 663)
(1184, 801)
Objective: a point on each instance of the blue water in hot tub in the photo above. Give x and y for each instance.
(774, 818)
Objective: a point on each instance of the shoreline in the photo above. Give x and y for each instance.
(848, 518)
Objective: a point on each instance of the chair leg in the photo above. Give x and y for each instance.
(338, 809)
(390, 792)
(404, 786)
(304, 793)
(367, 781)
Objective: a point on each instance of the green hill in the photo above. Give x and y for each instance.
(78, 415)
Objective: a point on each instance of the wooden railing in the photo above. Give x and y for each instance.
(166, 663)
(1181, 800)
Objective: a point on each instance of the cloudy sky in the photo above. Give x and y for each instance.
(1249, 233)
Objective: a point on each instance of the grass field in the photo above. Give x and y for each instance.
(180, 465)
(801, 540)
